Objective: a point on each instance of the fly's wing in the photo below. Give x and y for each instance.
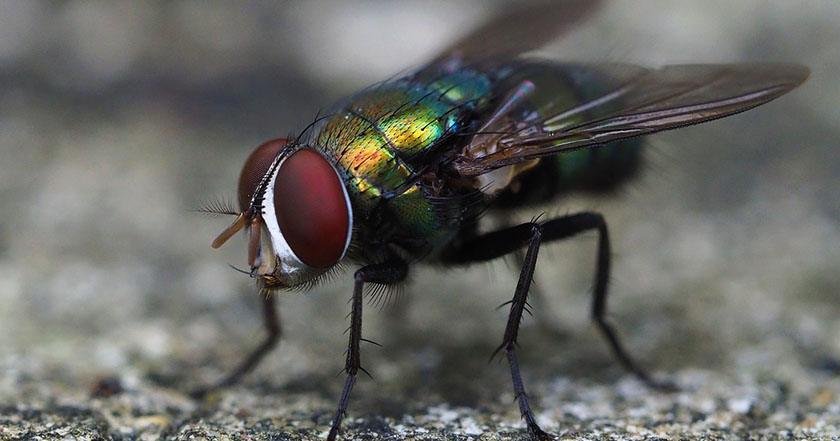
(519, 29)
(631, 101)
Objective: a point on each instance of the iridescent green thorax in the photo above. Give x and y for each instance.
(382, 137)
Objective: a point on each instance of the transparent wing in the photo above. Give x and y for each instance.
(631, 101)
(520, 28)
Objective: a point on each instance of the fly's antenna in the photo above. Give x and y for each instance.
(221, 206)
(228, 232)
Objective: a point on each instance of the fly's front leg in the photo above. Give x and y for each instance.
(271, 321)
(390, 272)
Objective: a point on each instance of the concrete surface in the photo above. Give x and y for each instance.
(117, 119)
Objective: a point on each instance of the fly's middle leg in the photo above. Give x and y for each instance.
(518, 305)
(511, 240)
(537, 297)
(498, 243)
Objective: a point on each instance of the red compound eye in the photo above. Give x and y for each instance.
(312, 209)
(255, 168)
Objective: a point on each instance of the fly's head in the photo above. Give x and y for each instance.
(296, 211)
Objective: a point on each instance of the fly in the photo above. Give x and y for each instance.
(401, 173)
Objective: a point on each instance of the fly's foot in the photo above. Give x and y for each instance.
(200, 393)
(534, 431)
(538, 434)
(663, 385)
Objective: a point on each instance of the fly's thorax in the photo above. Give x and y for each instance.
(382, 138)
(500, 179)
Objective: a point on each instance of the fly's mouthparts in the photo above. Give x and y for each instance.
(271, 281)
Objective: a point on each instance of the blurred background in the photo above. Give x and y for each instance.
(119, 118)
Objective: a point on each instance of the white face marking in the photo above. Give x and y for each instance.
(349, 215)
(288, 264)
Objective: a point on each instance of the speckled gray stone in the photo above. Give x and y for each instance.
(117, 119)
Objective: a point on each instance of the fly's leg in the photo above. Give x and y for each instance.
(536, 296)
(384, 273)
(271, 321)
(557, 229)
(517, 306)
(499, 243)
(587, 221)
(575, 224)
(495, 244)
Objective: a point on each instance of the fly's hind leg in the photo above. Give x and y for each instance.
(565, 227)
(499, 243)
(588, 221)
(271, 321)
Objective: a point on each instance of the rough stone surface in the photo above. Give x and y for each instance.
(117, 119)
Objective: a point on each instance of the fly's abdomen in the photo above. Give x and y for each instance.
(384, 136)
(599, 169)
